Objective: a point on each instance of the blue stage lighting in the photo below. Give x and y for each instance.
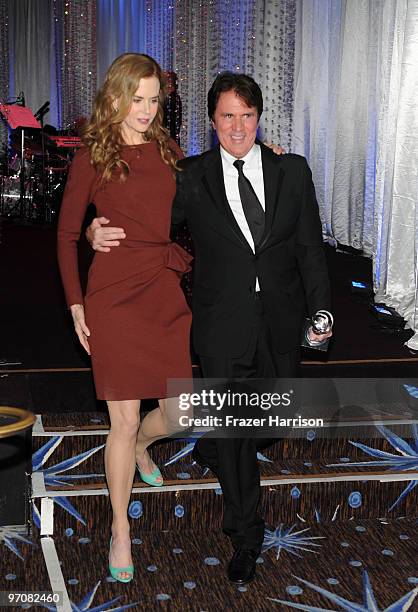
(388, 317)
(361, 290)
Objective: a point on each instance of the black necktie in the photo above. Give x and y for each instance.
(251, 206)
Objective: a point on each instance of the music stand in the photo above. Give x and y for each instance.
(39, 115)
(20, 117)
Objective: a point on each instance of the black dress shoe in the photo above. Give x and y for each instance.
(203, 461)
(196, 456)
(241, 568)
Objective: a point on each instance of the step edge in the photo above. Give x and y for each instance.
(39, 491)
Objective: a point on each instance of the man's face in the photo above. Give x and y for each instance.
(235, 124)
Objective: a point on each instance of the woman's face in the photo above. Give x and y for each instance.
(142, 112)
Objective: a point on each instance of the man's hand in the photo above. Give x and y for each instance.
(313, 337)
(277, 149)
(102, 238)
(81, 329)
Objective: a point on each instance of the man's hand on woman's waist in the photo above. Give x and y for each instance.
(102, 238)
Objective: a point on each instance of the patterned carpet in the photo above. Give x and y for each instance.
(357, 565)
(341, 525)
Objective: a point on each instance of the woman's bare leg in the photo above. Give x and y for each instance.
(120, 469)
(157, 424)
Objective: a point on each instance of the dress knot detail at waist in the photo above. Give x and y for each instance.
(177, 258)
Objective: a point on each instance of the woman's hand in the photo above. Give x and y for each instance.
(277, 149)
(81, 329)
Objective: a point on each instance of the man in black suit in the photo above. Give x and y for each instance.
(259, 268)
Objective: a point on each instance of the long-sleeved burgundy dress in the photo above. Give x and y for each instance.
(134, 306)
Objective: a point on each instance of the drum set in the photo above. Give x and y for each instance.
(34, 165)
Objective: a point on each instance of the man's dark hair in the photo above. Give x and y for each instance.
(244, 86)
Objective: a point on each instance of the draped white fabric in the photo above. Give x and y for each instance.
(121, 28)
(355, 119)
(31, 51)
(331, 114)
(396, 210)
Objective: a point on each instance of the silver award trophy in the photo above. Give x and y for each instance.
(321, 323)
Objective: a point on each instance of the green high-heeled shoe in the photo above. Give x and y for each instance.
(151, 479)
(116, 571)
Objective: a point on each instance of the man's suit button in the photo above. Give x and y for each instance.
(256, 257)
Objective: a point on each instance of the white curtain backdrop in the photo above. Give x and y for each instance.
(355, 118)
(31, 52)
(121, 28)
(333, 112)
(396, 210)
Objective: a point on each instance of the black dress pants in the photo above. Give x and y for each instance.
(235, 459)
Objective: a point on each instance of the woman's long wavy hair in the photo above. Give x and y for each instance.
(102, 134)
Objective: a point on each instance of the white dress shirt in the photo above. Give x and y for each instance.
(253, 170)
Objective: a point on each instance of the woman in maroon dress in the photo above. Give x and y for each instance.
(134, 320)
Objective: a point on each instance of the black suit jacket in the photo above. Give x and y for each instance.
(290, 262)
